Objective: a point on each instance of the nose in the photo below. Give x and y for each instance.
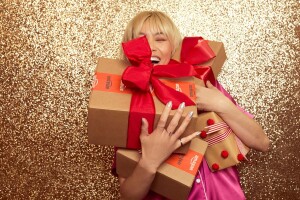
(152, 44)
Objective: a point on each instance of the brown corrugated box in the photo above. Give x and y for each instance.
(108, 111)
(170, 181)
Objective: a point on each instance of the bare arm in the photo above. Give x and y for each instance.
(156, 148)
(138, 184)
(247, 129)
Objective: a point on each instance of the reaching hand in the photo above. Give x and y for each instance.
(211, 99)
(159, 145)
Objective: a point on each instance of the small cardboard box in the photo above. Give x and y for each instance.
(109, 103)
(221, 139)
(175, 176)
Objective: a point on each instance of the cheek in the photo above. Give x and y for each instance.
(168, 52)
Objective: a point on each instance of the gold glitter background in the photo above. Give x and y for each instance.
(49, 51)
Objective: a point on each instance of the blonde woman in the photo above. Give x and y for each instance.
(163, 38)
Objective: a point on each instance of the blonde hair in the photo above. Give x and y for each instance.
(158, 21)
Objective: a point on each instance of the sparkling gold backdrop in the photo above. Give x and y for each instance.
(49, 51)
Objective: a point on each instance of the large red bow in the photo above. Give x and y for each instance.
(140, 76)
(196, 51)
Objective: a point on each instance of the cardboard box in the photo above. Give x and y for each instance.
(109, 103)
(175, 176)
(220, 141)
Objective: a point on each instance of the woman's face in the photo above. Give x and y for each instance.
(160, 45)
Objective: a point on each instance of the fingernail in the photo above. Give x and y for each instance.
(191, 114)
(197, 133)
(182, 105)
(169, 104)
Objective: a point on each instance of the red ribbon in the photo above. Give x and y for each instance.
(196, 51)
(140, 76)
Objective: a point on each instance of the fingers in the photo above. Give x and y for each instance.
(144, 128)
(184, 140)
(183, 125)
(174, 122)
(164, 116)
(209, 85)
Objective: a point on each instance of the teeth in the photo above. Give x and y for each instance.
(155, 60)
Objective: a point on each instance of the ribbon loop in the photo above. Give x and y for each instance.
(137, 51)
(196, 51)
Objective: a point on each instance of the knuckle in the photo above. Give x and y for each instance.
(180, 129)
(173, 124)
(161, 123)
(173, 140)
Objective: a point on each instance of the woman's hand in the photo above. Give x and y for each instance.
(211, 99)
(247, 129)
(159, 145)
(156, 148)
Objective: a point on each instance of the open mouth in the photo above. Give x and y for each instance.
(155, 60)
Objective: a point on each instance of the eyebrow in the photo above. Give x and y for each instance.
(158, 33)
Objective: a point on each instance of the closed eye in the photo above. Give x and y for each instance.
(160, 37)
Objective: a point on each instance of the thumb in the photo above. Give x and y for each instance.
(144, 128)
